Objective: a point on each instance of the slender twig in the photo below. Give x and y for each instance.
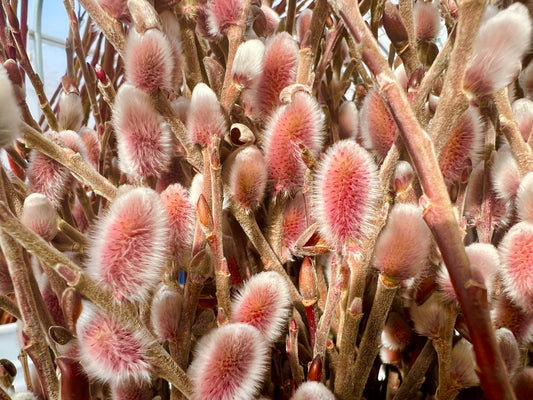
(369, 347)
(453, 100)
(438, 211)
(443, 347)
(10, 306)
(111, 28)
(520, 149)
(292, 353)
(89, 82)
(309, 50)
(415, 376)
(26, 65)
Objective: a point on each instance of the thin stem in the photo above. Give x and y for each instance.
(214, 239)
(9, 306)
(438, 211)
(111, 28)
(453, 100)
(520, 149)
(443, 347)
(73, 161)
(415, 376)
(292, 353)
(369, 347)
(26, 65)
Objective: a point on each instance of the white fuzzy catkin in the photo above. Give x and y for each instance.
(10, 120)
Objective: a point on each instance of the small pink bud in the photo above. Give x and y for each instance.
(498, 49)
(427, 21)
(229, 363)
(248, 62)
(50, 300)
(463, 146)
(393, 24)
(46, 175)
(108, 350)
(92, 144)
(516, 252)
(144, 141)
(39, 214)
(298, 123)
(508, 349)
(378, 129)
(264, 302)
(505, 175)
(10, 122)
(523, 114)
(181, 212)
(117, 8)
(248, 178)
(221, 14)
(70, 115)
(205, 120)
(402, 247)
(463, 373)
(403, 176)
(308, 283)
(132, 390)
(485, 258)
(346, 188)
(279, 71)
(148, 60)
(348, 120)
(272, 19)
(313, 391)
(295, 222)
(397, 333)
(523, 384)
(303, 23)
(166, 313)
(128, 249)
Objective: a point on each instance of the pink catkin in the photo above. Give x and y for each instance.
(248, 178)
(144, 141)
(47, 176)
(166, 312)
(378, 129)
(229, 363)
(463, 145)
(516, 252)
(128, 250)
(523, 113)
(279, 71)
(92, 144)
(117, 8)
(264, 303)
(427, 21)
(221, 14)
(295, 221)
(148, 60)
(524, 198)
(402, 247)
(313, 391)
(298, 123)
(181, 214)
(39, 214)
(498, 49)
(346, 187)
(132, 390)
(108, 350)
(205, 120)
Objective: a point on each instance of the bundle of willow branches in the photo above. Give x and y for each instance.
(235, 199)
